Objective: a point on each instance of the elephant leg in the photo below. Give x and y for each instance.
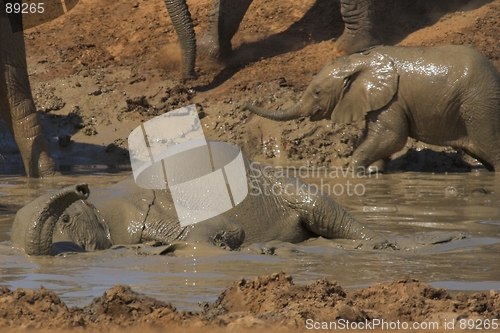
(386, 134)
(220, 231)
(378, 166)
(487, 160)
(320, 214)
(17, 106)
(224, 21)
(486, 151)
(183, 25)
(358, 33)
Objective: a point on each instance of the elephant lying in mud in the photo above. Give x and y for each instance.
(277, 207)
(16, 102)
(226, 16)
(445, 95)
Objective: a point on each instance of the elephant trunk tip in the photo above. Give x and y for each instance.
(291, 113)
(82, 190)
(248, 106)
(255, 109)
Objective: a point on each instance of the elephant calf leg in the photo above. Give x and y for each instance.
(375, 150)
(382, 140)
(490, 160)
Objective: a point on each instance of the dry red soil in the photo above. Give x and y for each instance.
(261, 304)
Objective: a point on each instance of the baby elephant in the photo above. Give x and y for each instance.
(277, 207)
(445, 95)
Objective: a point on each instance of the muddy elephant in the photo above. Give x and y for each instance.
(16, 101)
(277, 207)
(445, 95)
(226, 16)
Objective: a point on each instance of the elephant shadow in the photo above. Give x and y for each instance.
(428, 160)
(393, 21)
(70, 156)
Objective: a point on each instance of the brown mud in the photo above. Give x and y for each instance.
(263, 303)
(104, 67)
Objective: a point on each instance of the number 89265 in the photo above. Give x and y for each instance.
(24, 8)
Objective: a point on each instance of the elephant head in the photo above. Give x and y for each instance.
(57, 220)
(345, 90)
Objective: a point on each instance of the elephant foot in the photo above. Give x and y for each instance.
(379, 166)
(351, 42)
(219, 231)
(229, 239)
(376, 168)
(186, 77)
(209, 49)
(47, 167)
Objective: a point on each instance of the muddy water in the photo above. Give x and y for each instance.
(417, 210)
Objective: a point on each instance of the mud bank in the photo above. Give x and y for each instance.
(263, 303)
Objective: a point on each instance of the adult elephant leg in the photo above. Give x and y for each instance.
(17, 106)
(224, 21)
(358, 33)
(183, 25)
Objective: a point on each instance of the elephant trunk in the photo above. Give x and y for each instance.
(183, 25)
(291, 113)
(34, 224)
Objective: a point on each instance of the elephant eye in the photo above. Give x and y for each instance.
(317, 91)
(347, 81)
(65, 218)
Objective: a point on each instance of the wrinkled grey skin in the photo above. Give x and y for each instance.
(278, 207)
(446, 95)
(226, 16)
(16, 103)
(183, 25)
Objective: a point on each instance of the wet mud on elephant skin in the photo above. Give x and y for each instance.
(309, 29)
(277, 207)
(445, 95)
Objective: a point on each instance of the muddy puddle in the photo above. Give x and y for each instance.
(446, 225)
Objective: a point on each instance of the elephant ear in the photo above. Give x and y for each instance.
(370, 83)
